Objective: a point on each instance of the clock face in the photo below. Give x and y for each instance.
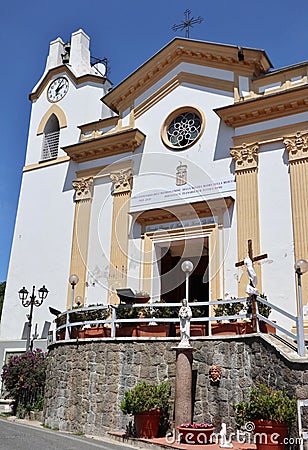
(57, 89)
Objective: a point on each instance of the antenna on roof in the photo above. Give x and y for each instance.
(187, 23)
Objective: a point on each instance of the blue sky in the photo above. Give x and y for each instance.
(127, 33)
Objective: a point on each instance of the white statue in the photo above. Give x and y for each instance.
(185, 315)
(251, 288)
(223, 437)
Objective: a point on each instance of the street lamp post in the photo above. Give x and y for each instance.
(31, 301)
(301, 267)
(73, 279)
(187, 268)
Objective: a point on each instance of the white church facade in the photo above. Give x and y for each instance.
(201, 149)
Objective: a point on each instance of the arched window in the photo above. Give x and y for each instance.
(51, 138)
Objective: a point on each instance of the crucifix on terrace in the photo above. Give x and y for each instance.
(187, 23)
(248, 263)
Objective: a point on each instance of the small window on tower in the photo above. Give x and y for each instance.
(51, 139)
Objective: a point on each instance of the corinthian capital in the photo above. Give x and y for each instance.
(297, 146)
(83, 188)
(245, 156)
(121, 180)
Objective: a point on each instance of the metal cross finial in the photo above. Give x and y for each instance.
(187, 23)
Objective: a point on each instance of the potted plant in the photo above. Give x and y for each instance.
(273, 412)
(233, 326)
(96, 329)
(146, 402)
(265, 311)
(142, 297)
(126, 312)
(153, 328)
(195, 433)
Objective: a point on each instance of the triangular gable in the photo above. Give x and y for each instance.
(226, 57)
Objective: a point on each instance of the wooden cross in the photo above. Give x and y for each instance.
(253, 297)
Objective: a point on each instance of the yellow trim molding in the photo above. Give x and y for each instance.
(122, 186)
(270, 135)
(172, 116)
(109, 145)
(64, 69)
(177, 80)
(220, 56)
(260, 109)
(79, 256)
(297, 148)
(215, 265)
(247, 206)
(58, 112)
(51, 162)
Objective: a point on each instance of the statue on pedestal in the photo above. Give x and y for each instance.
(185, 315)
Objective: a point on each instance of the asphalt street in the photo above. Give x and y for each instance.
(19, 436)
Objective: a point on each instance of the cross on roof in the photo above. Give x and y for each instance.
(187, 23)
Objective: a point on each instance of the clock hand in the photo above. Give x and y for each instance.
(59, 87)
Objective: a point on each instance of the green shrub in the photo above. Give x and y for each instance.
(268, 404)
(144, 397)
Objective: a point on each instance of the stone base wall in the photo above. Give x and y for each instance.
(86, 380)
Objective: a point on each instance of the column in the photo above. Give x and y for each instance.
(247, 206)
(297, 148)
(79, 257)
(122, 186)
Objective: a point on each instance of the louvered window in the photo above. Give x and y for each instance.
(51, 139)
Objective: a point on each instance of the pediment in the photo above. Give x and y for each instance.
(213, 55)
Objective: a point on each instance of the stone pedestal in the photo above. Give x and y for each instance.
(183, 385)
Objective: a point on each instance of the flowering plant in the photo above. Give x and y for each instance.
(197, 425)
(24, 373)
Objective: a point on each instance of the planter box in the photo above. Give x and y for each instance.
(125, 331)
(231, 328)
(152, 330)
(147, 424)
(266, 327)
(96, 332)
(195, 435)
(141, 299)
(270, 435)
(195, 330)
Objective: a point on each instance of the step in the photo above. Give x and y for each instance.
(162, 443)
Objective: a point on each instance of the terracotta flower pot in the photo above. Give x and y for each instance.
(147, 424)
(152, 330)
(195, 435)
(270, 435)
(195, 330)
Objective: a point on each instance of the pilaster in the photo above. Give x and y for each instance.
(122, 186)
(297, 148)
(79, 257)
(247, 205)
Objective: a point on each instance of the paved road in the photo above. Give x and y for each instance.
(17, 436)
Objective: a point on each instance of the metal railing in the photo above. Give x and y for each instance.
(114, 321)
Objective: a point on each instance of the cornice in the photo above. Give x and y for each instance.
(245, 156)
(267, 107)
(60, 69)
(297, 146)
(109, 145)
(180, 78)
(180, 212)
(180, 50)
